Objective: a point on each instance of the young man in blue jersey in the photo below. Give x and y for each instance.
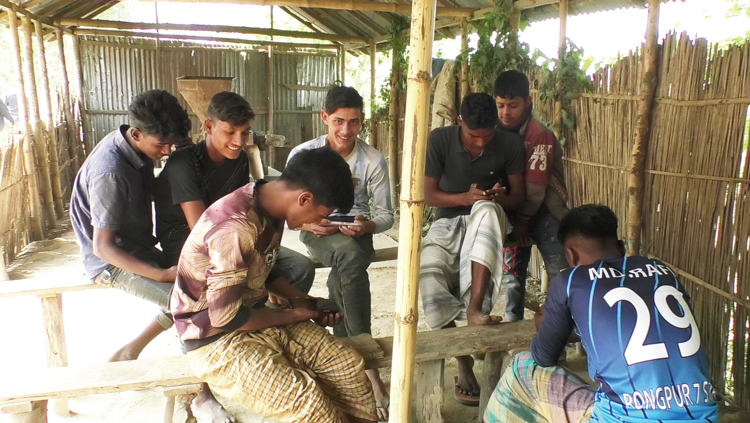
(633, 316)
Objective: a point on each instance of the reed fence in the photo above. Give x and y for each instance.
(696, 209)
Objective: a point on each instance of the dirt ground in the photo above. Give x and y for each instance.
(98, 322)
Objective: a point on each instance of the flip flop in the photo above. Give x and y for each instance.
(384, 403)
(465, 399)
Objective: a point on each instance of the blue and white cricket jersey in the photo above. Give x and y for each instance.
(642, 342)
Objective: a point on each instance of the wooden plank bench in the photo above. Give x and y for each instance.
(25, 395)
(50, 293)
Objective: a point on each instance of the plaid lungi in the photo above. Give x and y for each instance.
(530, 393)
(447, 252)
(297, 373)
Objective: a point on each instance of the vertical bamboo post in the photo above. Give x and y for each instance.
(69, 120)
(88, 144)
(373, 124)
(57, 352)
(642, 130)
(342, 58)
(271, 152)
(464, 58)
(393, 128)
(412, 206)
(54, 167)
(560, 56)
(515, 24)
(35, 208)
(40, 146)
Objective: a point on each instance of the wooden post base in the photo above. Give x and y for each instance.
(494, 365)
(177, 400)
(27, 412)
(430, 378)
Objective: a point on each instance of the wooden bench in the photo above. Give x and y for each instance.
(50, 293)
(25, 396)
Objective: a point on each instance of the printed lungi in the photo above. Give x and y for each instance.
(447, 252)
(298, 373)
(530, 393)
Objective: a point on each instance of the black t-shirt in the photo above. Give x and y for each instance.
(450, 163)
(190, 175)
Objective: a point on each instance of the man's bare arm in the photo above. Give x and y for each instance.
(106, 249)
(437, 198)
(192, 211)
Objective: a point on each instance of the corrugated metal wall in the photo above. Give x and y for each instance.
(116, 69)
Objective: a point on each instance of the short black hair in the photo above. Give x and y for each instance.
(511, 84)
(159, 114)
(343, 97)
(231, 108)
(478, 110)
(593, 221)
(325, 174)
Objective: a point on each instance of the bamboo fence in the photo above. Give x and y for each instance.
(696, 207)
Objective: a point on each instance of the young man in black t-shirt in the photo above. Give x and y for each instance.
(462, 254)
(198, 175)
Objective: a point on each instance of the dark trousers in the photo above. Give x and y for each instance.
(543, 229)
(348, 282)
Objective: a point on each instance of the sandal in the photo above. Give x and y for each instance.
(465, 399)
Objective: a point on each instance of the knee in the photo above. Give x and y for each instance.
(351, 257)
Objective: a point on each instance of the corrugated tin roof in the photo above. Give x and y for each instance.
(342, 22)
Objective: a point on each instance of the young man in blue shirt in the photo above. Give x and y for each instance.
(635, 322)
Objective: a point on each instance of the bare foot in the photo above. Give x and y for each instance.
(125, 353)
(207, 409)
(480, 318)
(382, 400)
(467, 383)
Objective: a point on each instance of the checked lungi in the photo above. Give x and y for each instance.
(447, 252)
(297, 373)
(530, 393)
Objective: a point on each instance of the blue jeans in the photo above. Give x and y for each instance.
(543, 229)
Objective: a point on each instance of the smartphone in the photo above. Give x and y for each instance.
(348, 219)
(327, 225)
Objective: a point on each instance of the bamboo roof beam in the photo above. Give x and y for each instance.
(102, 24)
(200, 38)
(368, 5)
(456, 20)
(21, 10)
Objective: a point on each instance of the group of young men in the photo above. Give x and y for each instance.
(240, 302)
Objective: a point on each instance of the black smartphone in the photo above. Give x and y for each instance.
(347, 219)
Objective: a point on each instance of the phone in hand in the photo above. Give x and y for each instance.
(500, 190)
(339, 221)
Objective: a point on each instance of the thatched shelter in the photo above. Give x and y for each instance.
(662, 140)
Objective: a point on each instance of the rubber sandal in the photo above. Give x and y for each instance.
(465, 399)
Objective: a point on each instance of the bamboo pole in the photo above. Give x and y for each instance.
(464, 58)
(114, 33)
(54, 167)
(642, 131)
(35, 213)
(103, 24)
(78, 63)
(560, 57)
(40, 146)
(515, 24)
(342, 65)
(393, 128)
(271, 151)
(366, 5)
(69, 120)
(373, 124)
(412, 207)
